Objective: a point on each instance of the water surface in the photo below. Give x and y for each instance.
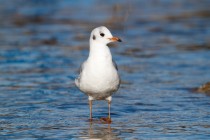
(165, 53)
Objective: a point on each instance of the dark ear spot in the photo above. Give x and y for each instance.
(94, 37)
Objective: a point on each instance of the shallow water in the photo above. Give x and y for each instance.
(165, 54)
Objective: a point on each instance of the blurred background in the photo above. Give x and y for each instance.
(163, 61)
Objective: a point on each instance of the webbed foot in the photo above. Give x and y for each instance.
(106, 120)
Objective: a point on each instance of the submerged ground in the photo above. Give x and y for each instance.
(164, 56)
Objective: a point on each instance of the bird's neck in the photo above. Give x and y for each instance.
(99, 52)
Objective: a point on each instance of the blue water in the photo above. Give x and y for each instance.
(164, 55)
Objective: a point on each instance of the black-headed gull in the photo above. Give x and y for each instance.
(99, 77)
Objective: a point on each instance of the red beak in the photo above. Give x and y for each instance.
(115, 39)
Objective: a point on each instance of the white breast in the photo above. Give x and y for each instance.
(99, 75)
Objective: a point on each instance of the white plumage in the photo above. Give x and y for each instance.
(98, 76)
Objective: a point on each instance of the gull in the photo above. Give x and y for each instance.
(98, 77)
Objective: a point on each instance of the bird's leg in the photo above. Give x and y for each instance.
(109, 105)
(109, 99)
(90, 105)
(108, 120)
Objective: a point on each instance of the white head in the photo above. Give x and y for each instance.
(102, 35)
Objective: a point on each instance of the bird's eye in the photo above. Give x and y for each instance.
(94, 37)
(102, 34)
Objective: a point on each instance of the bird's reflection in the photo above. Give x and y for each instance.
(99, 131)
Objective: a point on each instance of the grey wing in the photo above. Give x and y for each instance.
(81, 67)
(115, 64)
(77, 80)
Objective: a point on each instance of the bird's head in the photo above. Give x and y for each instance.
(102, 35)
